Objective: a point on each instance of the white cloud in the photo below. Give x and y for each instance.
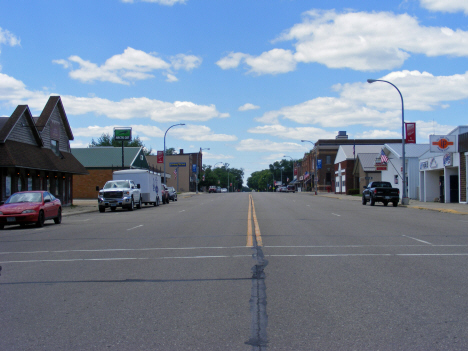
(200, 133)
(375, 104)
(360, 41)
(143, 131)
(8, 38)
(300, 133)
(248, 106)
(268, 146)
(161, 2)
(127, 67)
(209, 156)
(14, 92)
(445, 5)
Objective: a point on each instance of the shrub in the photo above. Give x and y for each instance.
(353, 192)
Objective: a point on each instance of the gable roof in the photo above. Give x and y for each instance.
(345, 152)
(411, 150)
(21, 110)
(54, 101)
(367, 161)
(106, 156)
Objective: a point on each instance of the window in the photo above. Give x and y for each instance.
(7, 186)
(328, 160)
(54, 145)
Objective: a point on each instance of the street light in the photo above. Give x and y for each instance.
(315, 161)
(404, 199)
(198, 168)
(180, 124)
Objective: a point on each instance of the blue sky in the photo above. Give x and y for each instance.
(249, 78)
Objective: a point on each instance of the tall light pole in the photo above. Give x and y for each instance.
(404, 199)
(180, 124)
(199, 167)
(315, 158)
(226, 165)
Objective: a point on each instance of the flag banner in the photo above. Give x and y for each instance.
(175, 173)
(410, 133)
(383, 157)
(160, 157)
(443, 143)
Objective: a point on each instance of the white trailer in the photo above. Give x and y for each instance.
(150, 184)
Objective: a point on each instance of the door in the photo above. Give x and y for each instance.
(454, 188)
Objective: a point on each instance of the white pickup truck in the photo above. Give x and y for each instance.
(119, 193)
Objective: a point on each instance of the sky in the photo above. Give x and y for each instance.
(249, 79)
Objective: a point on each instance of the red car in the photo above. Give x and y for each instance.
(30, 207)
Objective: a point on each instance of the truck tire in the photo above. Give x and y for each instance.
(395, 204)
(372, 201)
(139, 204)
(364, 201)
(132, 205)
(102, 209)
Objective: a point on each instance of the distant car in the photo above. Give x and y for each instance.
(282, 189)
(218, 189)
(212, 189)
(224, 190)
(291, 188)
(172, 193)
(165, 194)
(28, 207)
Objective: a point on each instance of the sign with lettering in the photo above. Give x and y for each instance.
(448, 160)
(443, 143)
(123, 133)
(160, 157)
(177, 164)
(423, 165)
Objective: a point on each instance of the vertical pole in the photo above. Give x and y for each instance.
(178, 178)
(196, 173)
(122, 154)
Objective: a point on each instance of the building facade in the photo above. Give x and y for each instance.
(35, 152)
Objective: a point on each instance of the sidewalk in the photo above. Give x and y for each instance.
(431, 206)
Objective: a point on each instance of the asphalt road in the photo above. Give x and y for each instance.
(320, 274)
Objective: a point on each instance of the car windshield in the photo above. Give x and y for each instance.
(24, 197)
(117, 184)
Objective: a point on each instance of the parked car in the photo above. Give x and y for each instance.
(172, 193)
(380, 192)
(224, 190)
(291, 188)
(27, 207)
(212, 189)
(218, 189)
(165, 194)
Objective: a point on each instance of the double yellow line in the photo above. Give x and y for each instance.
(253, 215)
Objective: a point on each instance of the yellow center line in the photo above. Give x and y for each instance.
(252, 214)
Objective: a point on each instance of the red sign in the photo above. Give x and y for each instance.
(160, 157)
(410, 133)
(442, 143)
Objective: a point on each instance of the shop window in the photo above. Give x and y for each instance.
(30, 186)
(328, 160)
(19, 184)
(48, 185)
(7, 186)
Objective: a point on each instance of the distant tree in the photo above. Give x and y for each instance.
(171, 151)
(107, 140)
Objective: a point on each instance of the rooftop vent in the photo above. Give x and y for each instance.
(341, 135)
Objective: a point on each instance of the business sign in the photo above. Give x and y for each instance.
(410, 133)
(177, 164)
(443, 143)
(423, 165)
(194, 168)
(160, 157)
(448, 160)
(123, 133)
(319, 164)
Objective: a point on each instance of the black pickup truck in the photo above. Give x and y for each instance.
(380, 192)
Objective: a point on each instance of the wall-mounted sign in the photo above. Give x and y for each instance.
(194, 168)
(433, 163)
(177, 164)
(443, 143)
(423, 165)
(380, 166)
(123, 133)
(448, 160)
(319, 164)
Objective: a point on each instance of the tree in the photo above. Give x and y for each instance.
(170, 151)
(107, 140)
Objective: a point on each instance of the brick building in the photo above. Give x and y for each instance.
(35, 152)
(101, 162)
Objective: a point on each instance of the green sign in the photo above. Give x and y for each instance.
(123, 133)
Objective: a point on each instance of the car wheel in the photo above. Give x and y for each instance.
(372, 201)
(113, 209)
(364, 201)
(167, 200)
(139, 204)
(132, 205)
(58, 219)
(395, 204)
(40, 219)
(2, 226)
(176, 198)
(102, 209)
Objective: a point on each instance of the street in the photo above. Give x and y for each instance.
(238, 271)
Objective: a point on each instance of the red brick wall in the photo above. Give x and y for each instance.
(84, 186)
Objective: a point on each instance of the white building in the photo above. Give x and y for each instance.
(394, 170)
(442, 175)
